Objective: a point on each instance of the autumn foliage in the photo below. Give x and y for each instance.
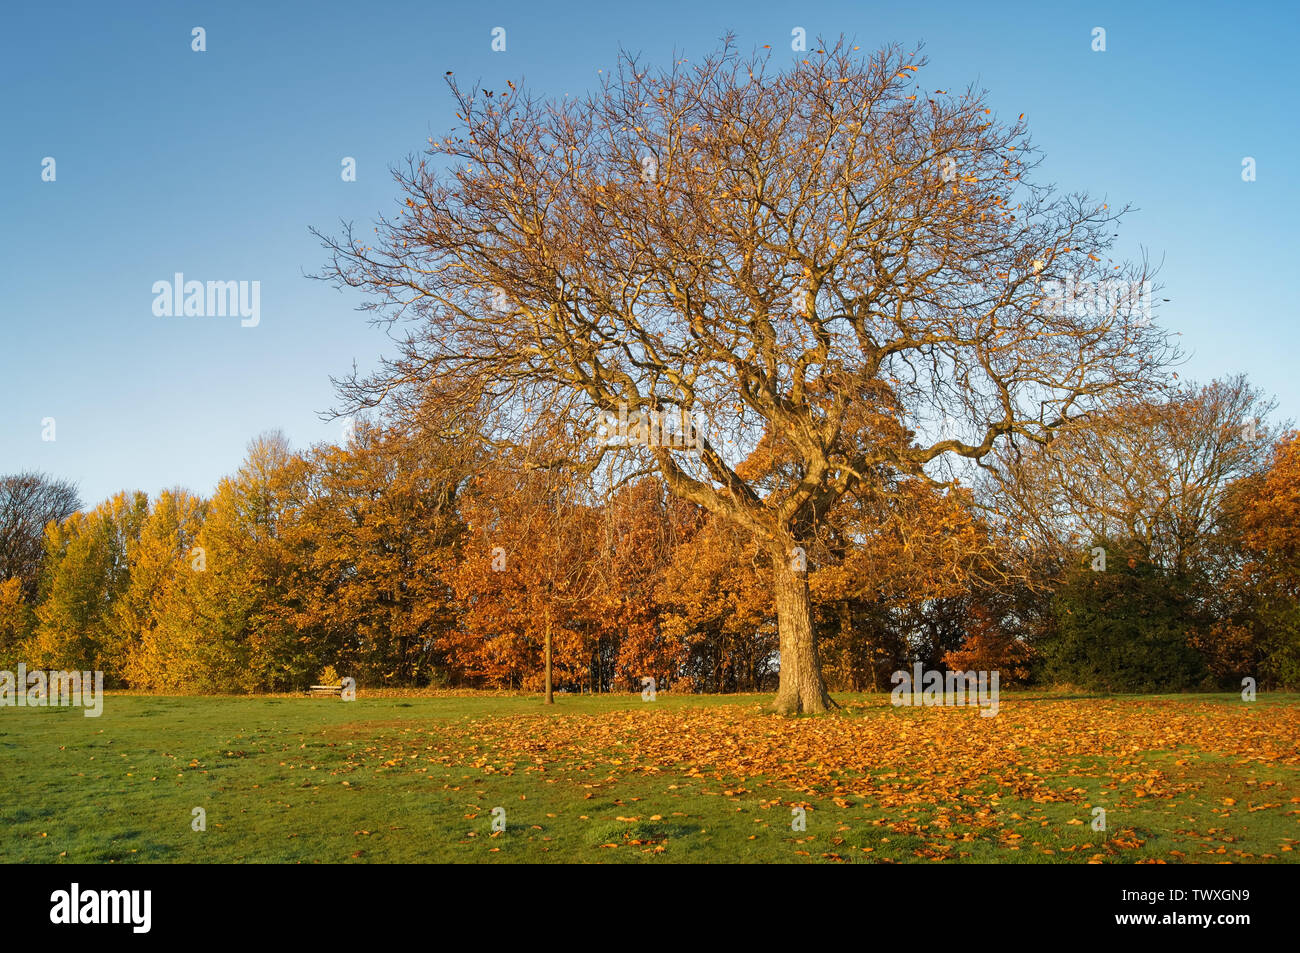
(400, 560)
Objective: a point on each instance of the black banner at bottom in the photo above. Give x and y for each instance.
(143, 902)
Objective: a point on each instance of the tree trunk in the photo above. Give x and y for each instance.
(852, 672)
(550, 697)
(801, 689)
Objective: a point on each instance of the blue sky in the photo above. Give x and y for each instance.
(215, 164)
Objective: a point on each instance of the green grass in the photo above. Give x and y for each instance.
(416, 779)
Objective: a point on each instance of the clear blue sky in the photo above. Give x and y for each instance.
(214, 164)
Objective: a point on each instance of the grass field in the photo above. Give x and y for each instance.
(1193, 778)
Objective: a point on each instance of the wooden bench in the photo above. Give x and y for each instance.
(325, 690)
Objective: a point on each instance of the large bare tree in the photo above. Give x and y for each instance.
(1153, 472)
(833, 270)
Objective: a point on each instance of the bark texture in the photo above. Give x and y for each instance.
(801, 689)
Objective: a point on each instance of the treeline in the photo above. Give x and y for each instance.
(1158, 549)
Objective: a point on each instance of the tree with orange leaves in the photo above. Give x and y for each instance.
(717, 610)
(527, 572)
(1258, 632)
(641, 526)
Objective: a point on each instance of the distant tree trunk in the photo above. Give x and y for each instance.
(848, 651)
(550, 697)
(801, 689)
